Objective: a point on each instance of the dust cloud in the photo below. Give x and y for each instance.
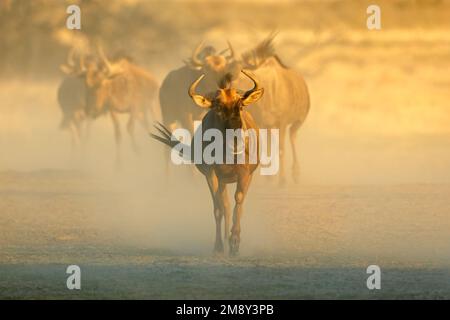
(374, 150)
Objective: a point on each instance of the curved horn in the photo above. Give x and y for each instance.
(82, 64)
(254, 94)
(230, 47)
(103, 58)
(113, 68)
(255, 84)
(195, 60)
(224, 51)
(200, 100)
(69, 66)
(70, 59)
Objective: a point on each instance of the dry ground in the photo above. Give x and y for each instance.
(375, 158)
(298, 242)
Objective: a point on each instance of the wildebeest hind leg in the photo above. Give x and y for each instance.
(86, 131)
(293, 138)
(75, 133)
(118, 138)
(130, 128)
(282, 173)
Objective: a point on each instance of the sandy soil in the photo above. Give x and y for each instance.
(298, 242)
(375, 178)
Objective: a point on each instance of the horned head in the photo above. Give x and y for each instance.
(227, 102)
(99, 68)
(99, 73)
(75, 63)
(212, 63)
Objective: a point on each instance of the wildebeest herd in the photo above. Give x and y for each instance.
(212, 87)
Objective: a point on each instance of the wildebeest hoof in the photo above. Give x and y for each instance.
(218, 254)
(234, 246)
(218, 249)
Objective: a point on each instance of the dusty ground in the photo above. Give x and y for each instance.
(375, 158)
(306, 242)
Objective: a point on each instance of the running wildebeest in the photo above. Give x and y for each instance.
(285, 104)
(176, 106)
(121, 87)
(286, 101)
(226, 110)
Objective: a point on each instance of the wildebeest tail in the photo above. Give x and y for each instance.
(166, 137)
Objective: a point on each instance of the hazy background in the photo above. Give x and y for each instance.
(379, 110)
(374, 150)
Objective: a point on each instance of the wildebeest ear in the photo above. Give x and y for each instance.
(253, 97)
(201, 101)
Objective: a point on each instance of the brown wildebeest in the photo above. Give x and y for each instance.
(176, 106)
(121, 87)
(286, 101)
(225, 111)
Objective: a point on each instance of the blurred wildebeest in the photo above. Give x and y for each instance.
(286, 101)
(176, 106)
(117, 87)
(72, 95)
(226, 110)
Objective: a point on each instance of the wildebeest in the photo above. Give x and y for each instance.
(286, 101)
(226, 110)
(121, 87)
(285, 104)
(176, 106)
(72, 95)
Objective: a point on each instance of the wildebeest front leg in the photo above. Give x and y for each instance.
(213, 184)
(282, 173)
(75, 132)
(225, 208)
(117, 136)
(130, 128)
(239, 196)
(86, 130)
(293, 137)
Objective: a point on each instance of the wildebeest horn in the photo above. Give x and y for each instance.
(230, 47)
(103, 57)
(200, 100)
(69, 66)
(70, 55)
(113, 69)
(223, 51)
(195, 60)
(255, 87)
(254, 94)
(82, 65)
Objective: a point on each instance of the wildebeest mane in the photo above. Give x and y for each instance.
(264, 50)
